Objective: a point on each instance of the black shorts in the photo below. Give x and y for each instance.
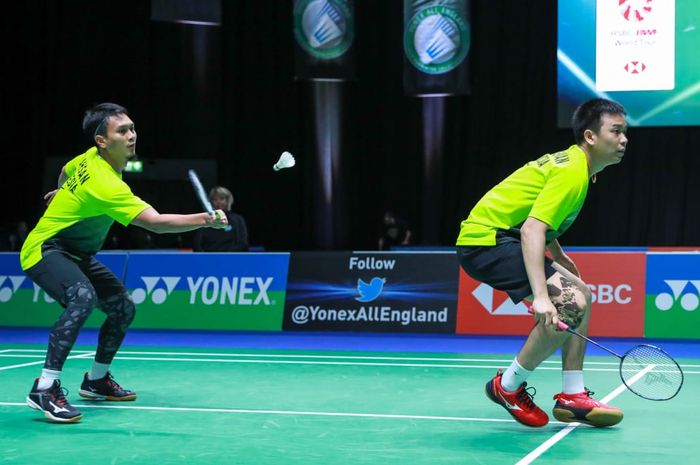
(501, 266)
(58, 270)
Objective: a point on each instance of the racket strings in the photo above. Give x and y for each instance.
(651, 373)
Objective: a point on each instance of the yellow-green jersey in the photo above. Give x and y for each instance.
(551, 189)
(82, 211)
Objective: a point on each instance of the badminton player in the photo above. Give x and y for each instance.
(59, 256)
(503, 243)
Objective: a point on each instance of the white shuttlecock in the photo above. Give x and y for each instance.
(286, 161)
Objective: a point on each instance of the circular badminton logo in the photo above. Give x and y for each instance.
(323, 28)
(436, 40)
(635, 10)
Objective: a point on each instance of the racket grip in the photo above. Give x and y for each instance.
(560, 324)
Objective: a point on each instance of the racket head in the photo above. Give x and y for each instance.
(649, 372)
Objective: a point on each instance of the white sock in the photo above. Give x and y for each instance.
(47, 378)
(98, 371)
(514, 376)
(572, 381)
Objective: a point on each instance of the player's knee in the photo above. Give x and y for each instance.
(81, 295)
(573, 307)
(587, 296)
(120, 308)
(129, 309)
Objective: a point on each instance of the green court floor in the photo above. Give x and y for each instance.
(214, 406)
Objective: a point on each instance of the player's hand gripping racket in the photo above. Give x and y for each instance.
(646, 370)
(201, 195)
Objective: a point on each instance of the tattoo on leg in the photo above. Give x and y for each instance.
(567, 306)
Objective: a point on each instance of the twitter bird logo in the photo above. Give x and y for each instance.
(369, 291)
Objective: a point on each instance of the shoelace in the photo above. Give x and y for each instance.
(58, 395)
(112, 383)
(525, 396)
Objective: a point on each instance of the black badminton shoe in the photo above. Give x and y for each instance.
(104, 389)
(53, 403)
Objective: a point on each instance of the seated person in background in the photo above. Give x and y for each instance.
(234, 238)
(18, 236)
(394, 232)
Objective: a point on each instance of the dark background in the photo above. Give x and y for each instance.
(228, 94)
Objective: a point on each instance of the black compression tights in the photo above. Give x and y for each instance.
(79, 302)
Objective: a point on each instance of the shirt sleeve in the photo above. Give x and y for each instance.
(72, 165)
(559, 197)
(118, 202)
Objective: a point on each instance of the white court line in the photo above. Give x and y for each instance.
(40, 362)
(5, 350)
(282, 412)
(330, 357)
(261, 359)
(309, 362)
(529, 458)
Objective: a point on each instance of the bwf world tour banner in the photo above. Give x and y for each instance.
(324, 35)
(436, 42)
(368, 291)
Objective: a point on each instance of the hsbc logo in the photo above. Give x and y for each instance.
(635, 67)
(602, 294)
(159, 295)
(8, 286)
(609, 294)
(485, 294)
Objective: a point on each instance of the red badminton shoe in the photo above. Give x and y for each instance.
(518, 403)
(581, 407)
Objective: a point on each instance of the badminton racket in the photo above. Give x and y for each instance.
(646, 370)
(201, 194)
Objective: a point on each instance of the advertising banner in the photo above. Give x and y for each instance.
(23, 303)
(672, 288)
(616, 281)
(212, 291)
(372, 291)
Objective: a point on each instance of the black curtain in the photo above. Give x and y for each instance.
(60, 57)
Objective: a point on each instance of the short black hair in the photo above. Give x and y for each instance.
(95, 119)
(588, 116)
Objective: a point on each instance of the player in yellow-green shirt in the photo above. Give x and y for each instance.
(503, 242)
(59, 256)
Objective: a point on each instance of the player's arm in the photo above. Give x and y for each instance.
(533, 243)
(561, 258)
(153, 221)
(62, 176)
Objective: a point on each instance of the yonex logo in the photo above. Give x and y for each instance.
(159, 295)
(14, 282)
(688, 300)
(484, 294)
